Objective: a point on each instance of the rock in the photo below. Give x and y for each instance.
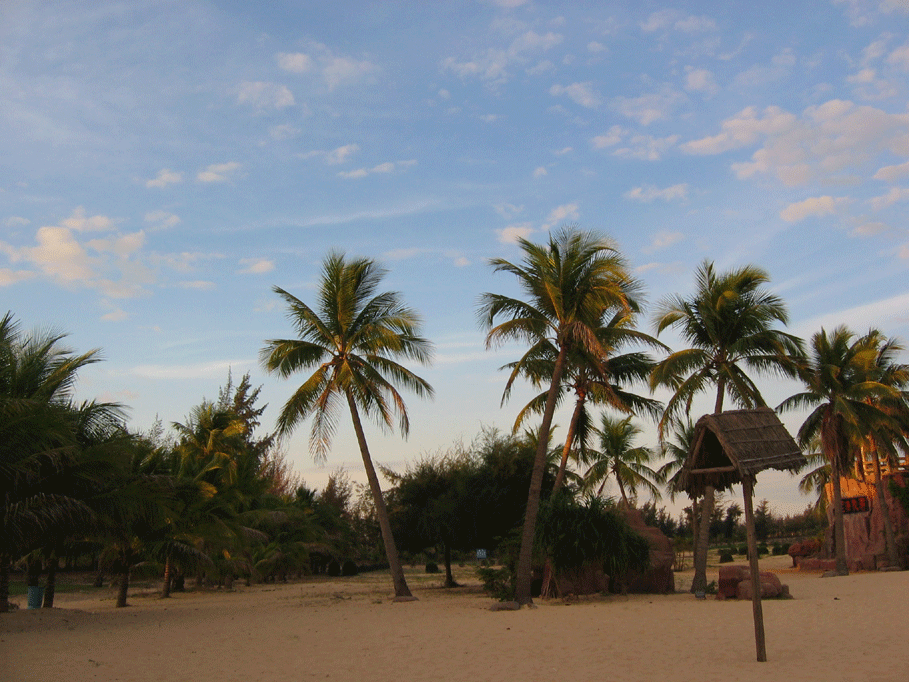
(771, 587)
(588, 579)
(659, 578)
(505, 606)
(730, 577)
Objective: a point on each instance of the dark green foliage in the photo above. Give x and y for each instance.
(432, 567)
(572, 533)
(499, 583)
(334, 568)
(762, 550)
(900, 493)
(742, 550)
(349, 568)
(725, 558)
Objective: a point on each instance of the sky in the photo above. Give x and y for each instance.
(164, 164)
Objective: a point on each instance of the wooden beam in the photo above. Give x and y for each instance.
(756, 608)
(716, 470)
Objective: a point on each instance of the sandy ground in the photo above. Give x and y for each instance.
(847, 628)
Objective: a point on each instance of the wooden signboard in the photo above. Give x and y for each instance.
(854, 505)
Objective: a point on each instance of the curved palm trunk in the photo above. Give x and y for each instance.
(4, 583)
(124, 588)
(833, 442)
(694, 534)
(889, 536)
(524, 577)
(50, 584)
(449, 578)
(702, 539)
(572, 428)
(402, 592)
(168, 576)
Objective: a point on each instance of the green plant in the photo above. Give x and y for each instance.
(349, 568)
(725, 558)
(432, 567)
(498, 583)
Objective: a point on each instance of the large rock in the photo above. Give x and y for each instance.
(735, 583)
(730, 577)
(588, 579)
(659, 578)
(771, 587)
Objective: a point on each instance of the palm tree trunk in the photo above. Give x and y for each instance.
(694, 533)
(449, 578)
(839, 530)
(524, 577)
(402, 592)
(699, 582)
(572, 427)
(889, 536)
(124, 588)
(168, 577)
(50, 584)
(4, 583)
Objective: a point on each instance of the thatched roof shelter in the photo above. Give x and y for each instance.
(730, 446)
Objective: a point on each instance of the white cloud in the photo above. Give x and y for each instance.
(256, 266)
(382, 168)
(895, 195)
(78, 221)
(123, 245)
(490, 118)
(870, 229)
(295, 62)
(646, 147)
(595, 47)
(673, 19)
(648, 193)
(203, 370)
(560, 214)
(461, 262)
(823, 142)
(16, 221)
(893, 173)
(885, 313)
(610, 139)
(336, 70)
(511, 234)
(507, 211)
(263, 95)
(200, 285)
(164, 178)
(218, 172)
(580, 93)
(900, 57)
(285, 131)
(335, 156)
(162, 219)
(700, 80)
(651, 107)
(8, 276)
(493, 64)
(563, 151)
(813, 207)
(664, 239)
(540, 172)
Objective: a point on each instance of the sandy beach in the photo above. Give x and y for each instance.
(348, 629)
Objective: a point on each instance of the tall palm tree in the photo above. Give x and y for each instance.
(352, 340)
(37, 375)
(844, 388)
(727, 323)
(594, 379)
(570, 282)
(618, 458)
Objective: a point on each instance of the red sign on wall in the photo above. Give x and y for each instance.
(853, 505)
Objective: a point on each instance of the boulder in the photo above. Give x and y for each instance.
(659, 578)
(730, 577)
(771, 587)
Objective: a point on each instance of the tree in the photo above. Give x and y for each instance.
(352, 340)
(844, 392)
(37, 375)
(601, 380)
(618, 458)
(727, 324)
(570, 282)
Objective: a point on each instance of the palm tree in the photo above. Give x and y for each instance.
(600, 380)
(36, 381)
(618, 458)
(352, 340)
(843, 386)
(727, 322)
(570, 283)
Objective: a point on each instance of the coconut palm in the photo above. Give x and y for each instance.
(843, 388)
(352, 340)
(619, 459)
(727, 324)
(37, 375)
(594, 379)
(570, 282)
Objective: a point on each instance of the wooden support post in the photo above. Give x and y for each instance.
(760, 645)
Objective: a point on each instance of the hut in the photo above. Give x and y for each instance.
(733, 447)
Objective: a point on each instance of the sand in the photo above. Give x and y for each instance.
(846, 628)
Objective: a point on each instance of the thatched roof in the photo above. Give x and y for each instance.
(732, 445)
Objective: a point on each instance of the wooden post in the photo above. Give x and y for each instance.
(760, 645)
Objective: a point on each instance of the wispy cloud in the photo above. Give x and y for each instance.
(263, 95)
(648, 193)
(219, 172)
(164, 178)
(580, 93)
(256, 266)
(336, 156)
(813, 207)
(336, 70)
(382, 169)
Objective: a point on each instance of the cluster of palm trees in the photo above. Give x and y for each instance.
(205, 498)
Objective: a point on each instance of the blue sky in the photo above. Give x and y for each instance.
(164, 164)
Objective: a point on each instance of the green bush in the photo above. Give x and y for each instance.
(762, 550)
(334, 568)
(432, 567)
(743, 550)
(349, 568)
(498, 583)
(778, 550)
(725, 558)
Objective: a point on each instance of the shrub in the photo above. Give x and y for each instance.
(349, 568)
(725, 558)
(432, 567)
(743, 550)
(778, 550)
(762, 550)
(498, 583)
(334, 568)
